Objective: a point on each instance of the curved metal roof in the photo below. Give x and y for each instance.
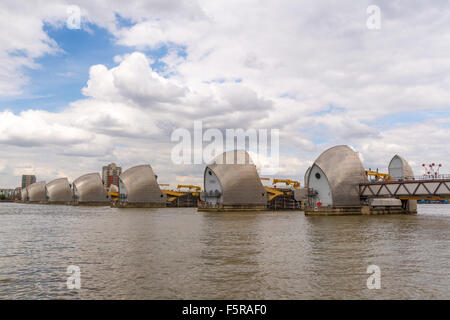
(36, 192)
(344, 171)
(59, 190)
(233, 157)
(90, 188)
(407, 172)
(141, 185)
(241, 184)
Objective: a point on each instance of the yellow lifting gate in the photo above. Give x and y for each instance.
(190, 187)
(174, 194)
(274, 192)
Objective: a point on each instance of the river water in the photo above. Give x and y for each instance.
(179, 253)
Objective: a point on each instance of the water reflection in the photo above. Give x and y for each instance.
(172, 253)
(230, 247)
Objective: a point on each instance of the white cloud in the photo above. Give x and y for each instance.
(128, 115)
(22, 40)
(35, 128)
(311, 69)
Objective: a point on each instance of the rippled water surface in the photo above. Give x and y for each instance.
(184, 254)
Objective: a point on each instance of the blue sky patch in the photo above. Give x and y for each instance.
(61, 76)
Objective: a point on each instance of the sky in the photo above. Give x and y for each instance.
(114, 90)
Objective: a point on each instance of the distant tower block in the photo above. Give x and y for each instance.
(36, 192)
(138, 187)
(59, 191)
(335, 177)
(110, 175)
(28, 179)
(88, 190)
(231, 182)
(399, 169)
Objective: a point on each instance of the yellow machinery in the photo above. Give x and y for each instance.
(282, 198)
(273, 192)
(113, 192)
(172, 194)
(378, 175)
(197, 188)
(190, 187)
(293, 183)
(114, 196)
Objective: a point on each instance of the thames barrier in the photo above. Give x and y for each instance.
(335, 184)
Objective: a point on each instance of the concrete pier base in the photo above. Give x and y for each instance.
(335, 211)
(91, 204)
(224, 208)
(138, 205)
(410, 207)
(59, 203)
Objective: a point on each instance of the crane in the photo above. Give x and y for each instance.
(196, 188)
(293, 183)
(378, 175)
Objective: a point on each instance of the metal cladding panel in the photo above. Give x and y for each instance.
(407, 172)
(90, 188)
(307, 177)
(344, 171)
(141, 185)
(24, 194)
(300, 194)
(233, 157)
(241, 184)
(36, 192)
(59, 190)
